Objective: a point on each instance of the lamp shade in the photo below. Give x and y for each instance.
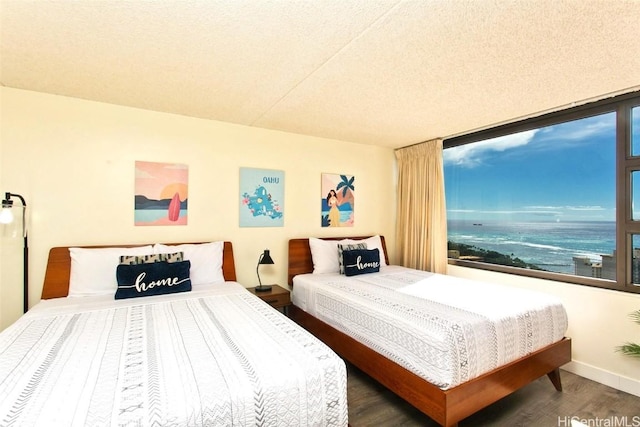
(13, 216)
(6, 215)
(266, 258)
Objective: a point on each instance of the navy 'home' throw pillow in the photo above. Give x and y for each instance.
(140, 280)
(361, 261)
(342, 248)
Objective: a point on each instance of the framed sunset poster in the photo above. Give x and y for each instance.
(337, 200)
(161, 193)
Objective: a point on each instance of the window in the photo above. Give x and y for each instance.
(555, 197)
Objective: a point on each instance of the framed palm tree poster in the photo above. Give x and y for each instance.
(337, 200)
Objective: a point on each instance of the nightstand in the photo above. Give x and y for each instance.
(277, 297)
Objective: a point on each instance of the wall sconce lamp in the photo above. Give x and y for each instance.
(7, 217)
(264, 258)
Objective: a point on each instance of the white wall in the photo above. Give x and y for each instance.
(598, 322)
(73, 160)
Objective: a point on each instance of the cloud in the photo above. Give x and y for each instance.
(535, 211)
(543, 207)
(555, 137)
(584, 208)
(142, 174)
(579, 130)
(470, 155)
(506, 212)
(177, 166)
(568, 208)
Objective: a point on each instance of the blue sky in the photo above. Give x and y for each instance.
(564, 172)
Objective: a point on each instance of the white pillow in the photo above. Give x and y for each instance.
(324, 254)
(206, 260)
(93, 270)
(373, 243)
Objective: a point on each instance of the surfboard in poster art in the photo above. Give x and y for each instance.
(161, 193)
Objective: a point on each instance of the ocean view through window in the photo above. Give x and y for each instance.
(552, 196)
(561, 247)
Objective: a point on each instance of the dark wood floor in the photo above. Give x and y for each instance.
(537, 404)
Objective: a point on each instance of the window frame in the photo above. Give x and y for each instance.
(625, 165)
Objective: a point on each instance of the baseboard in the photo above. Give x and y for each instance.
(619, 382)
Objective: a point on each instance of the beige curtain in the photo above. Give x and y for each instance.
(421, 230)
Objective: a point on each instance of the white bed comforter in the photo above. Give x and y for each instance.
(216, 357)
(445, 329)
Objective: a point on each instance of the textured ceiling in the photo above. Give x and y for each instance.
(389, 73)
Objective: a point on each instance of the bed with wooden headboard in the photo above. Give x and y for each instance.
(58, 272)
(189, 357)
(447, 407)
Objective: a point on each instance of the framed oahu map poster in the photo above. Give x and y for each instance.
(261, 198)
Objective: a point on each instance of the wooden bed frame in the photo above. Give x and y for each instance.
(56, 277)
(446, 407)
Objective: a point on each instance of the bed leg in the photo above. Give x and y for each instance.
(554, 376)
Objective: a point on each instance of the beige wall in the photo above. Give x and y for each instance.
(73, 160)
